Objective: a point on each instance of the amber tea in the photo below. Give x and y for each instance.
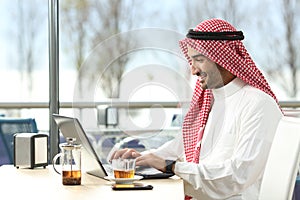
(71, 177)
(123, 168)
(124, 174)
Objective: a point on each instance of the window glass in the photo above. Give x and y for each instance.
(127, 51)
(24, 57)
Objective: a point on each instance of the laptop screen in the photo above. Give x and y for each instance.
(71, 127)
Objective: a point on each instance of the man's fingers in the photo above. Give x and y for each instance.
(131, 153)
(152, 161)
(136, 154)
(143, 161)
(119, 153)
(125, 153)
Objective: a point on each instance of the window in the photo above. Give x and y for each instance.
(127, 51)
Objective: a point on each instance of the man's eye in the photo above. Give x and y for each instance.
(199, 60)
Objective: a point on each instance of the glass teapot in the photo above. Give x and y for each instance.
(70, 161)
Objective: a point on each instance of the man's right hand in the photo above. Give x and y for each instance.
(142, 160)
(125, 153)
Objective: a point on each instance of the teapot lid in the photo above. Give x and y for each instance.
(70, 144)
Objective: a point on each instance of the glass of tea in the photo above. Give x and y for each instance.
(70, 161)
(123, 168)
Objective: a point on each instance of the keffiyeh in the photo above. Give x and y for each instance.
(230, 54)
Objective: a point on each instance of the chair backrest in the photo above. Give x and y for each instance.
(11, 126)
(283, 162)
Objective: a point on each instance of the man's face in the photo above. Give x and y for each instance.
(210, 75)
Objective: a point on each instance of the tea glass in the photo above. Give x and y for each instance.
(123, 168)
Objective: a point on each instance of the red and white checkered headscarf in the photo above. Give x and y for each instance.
(230, 54)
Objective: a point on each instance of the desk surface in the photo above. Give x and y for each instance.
(40, 183)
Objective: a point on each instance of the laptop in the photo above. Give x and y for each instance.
(71, 127)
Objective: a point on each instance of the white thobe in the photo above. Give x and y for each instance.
(235, 145)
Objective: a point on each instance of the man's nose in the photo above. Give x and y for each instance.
(194, 70)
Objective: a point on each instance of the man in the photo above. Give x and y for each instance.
(228, 130)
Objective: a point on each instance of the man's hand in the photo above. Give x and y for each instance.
(152, 161)
(141, 160)
(125, 153)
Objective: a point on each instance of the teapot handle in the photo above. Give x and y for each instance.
(54, 161)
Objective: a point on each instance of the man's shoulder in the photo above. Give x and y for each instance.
(255, 99)
(254, 94)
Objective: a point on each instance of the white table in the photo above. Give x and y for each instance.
(40, 183)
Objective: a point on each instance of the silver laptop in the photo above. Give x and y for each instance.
(91, 163)
(71, 127)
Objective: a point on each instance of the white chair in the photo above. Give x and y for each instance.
(283, 162)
